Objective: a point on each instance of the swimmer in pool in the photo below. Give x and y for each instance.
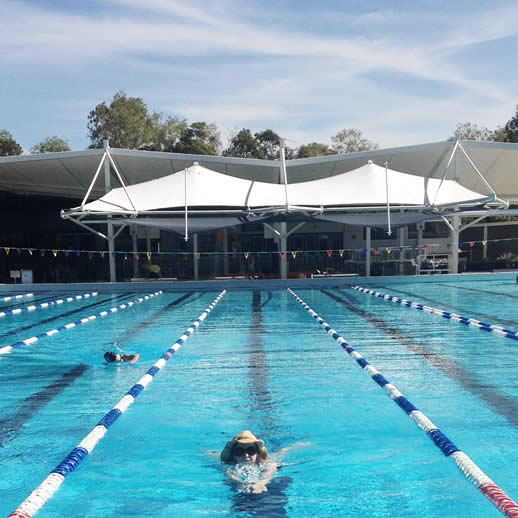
(116, 357)
(248, 458)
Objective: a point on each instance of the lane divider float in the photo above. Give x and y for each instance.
(483, 326)
(35, 501)
(45, 305)
(470, 470)
(32, 339)
(12, 297)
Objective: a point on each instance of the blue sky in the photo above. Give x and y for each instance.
(401, 72)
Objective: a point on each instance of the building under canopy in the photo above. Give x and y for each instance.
(395, 186)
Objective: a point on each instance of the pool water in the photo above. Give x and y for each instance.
(260, 362)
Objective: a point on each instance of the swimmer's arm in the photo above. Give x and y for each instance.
(278, 456)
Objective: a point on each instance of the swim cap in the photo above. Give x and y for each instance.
(110, 357)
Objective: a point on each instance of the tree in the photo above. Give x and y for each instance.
(244, 145)
(166, 133)
(314, 149)
(270, 143)
(511, 128)
(468, 131)
(126, 123)
(199, 138)
(51, 145)
(351, 140)
(8, 146)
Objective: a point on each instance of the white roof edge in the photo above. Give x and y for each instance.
(51, 156)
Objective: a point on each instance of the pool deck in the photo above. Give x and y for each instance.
(248, 284)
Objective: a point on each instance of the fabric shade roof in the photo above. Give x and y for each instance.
(199, 187)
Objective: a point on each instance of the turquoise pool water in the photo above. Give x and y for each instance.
(260, 362)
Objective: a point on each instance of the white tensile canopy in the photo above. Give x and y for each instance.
(364, 196)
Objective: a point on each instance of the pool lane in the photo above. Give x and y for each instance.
(66, 314)
(446, 305)
(11, 424)
(499, 402)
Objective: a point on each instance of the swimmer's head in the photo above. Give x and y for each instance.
(110, 357)
(245, 446)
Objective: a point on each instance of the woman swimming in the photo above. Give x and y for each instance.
(248, 458)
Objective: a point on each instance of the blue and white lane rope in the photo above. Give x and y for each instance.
(13, 297)
(35, 501)
(470, 470)
(45, 305)
(32, 339)
(483, 326)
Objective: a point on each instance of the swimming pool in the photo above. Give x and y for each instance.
(260, 362)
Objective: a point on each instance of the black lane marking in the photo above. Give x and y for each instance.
(152, 318)
(10, 425)
(481, 316)
(476, 290)
(271, 503)
(268, 299)
(498, 402)
(55, 317)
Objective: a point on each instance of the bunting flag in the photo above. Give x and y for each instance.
(484, 243)
(185, 257)
(317, 253)
(282, 254)
(137, 256)
(471, 244)
(18, 251)
(449, 246)
(425, 248)
(294, 255)
(246, 254)
(148, 256)
(329, 253)
(270, 254)
(364, 251)
(7, 250)
(66, 253)
(388, 250)
(102, 254)
(125, 257)
(78, 253)
(30, 251)
(55, 252)
(414, 249)
(42, 252)
(461, 244)
(173, 254)
(222, 255)
(198, 255)
(376, 251)
(341, 252)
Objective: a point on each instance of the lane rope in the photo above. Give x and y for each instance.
(32, 339)
(483, 326)
(13, 297)
(45, 305)
(35, 501)
(470, 470)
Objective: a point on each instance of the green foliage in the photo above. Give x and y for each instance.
(314, 149)
(244, 145)
(51, 145)
(199, 138)
(126, 123)
(511, 128)
(265, 145)
(351, 140)
(469, 131)
(8, 146)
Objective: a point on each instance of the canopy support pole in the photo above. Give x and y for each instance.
(402, 231)
(284, 256)
(195, 255)
(420, 228)
(135, 250)
(389, 230)
(284, 174)
(484, 248)
(225, 251)
(111, 239)
(454, 240)
(368, 251)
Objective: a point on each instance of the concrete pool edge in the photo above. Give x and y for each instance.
(246, 284)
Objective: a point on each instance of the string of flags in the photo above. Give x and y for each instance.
(54, 252)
